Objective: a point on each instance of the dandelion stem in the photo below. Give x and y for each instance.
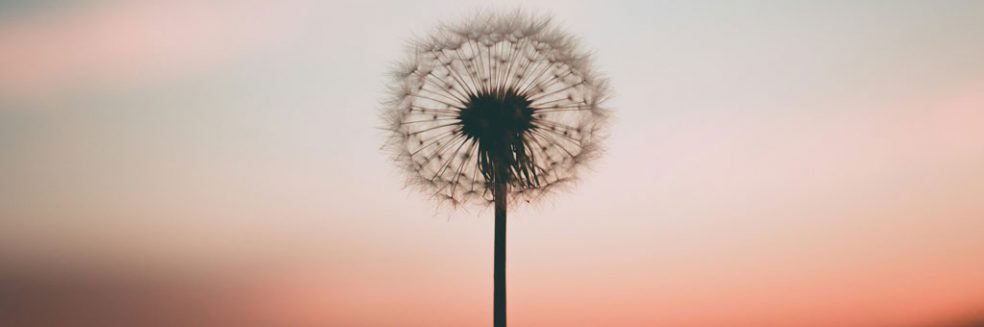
(499, 269)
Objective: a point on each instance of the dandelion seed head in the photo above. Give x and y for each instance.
(499, 98)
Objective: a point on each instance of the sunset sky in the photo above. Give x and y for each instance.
(770, 163)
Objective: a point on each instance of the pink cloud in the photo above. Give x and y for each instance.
(122, 43)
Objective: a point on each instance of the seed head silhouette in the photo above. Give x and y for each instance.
(498, 108)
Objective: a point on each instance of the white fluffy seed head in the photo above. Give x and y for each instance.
(494, 56)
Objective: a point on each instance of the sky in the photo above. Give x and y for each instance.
(770, 163)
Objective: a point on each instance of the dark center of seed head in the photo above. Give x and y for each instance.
(496, 120)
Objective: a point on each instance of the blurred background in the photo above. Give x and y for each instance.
(217, 163)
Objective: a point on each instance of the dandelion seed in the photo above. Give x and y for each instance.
(513, 88)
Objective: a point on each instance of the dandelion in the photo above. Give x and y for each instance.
(497, 109)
